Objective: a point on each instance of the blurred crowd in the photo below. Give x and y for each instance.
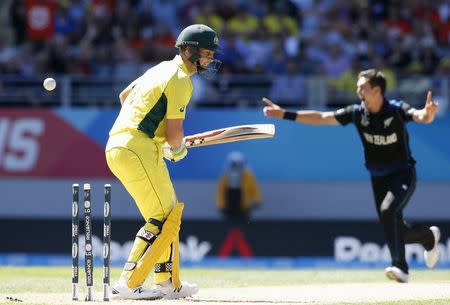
(331, 38)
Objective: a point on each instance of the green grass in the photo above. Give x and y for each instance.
(16, 280)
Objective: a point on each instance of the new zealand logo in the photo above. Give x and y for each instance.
(388, 121)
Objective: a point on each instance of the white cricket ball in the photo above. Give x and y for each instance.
(49, 84)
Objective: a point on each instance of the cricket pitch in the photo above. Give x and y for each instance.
(298, 294)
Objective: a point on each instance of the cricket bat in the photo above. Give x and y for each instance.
(230, 134)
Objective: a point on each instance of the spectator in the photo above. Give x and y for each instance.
(257, 49)
(163, 11)
(415, 83)
(308, 65)
(324, 36)
(400, 56)
(64, 24)
(289, 86)
(278, 22)
(230, 55)
(58, 54)
(243, 24)
(345, 83)
(278, 57)
(17, 13)
(396, 23)
(103, 62)
(27, 60)
(209, 16)
(343, 86)
(77, 11)
(428, 56)
(40, 19)
(335, 61)
(258, 8)
(442, 72)
(6, 51)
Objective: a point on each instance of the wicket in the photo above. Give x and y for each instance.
(88, 253)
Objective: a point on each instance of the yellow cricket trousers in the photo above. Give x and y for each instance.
(136, 160)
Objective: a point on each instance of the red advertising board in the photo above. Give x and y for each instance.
(38, 143)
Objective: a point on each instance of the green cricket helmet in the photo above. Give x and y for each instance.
(198, 36)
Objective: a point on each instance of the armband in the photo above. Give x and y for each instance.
(290, 115)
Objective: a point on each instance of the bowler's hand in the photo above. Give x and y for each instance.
(272, 109)
(431, 107)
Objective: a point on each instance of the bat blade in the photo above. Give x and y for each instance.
(230, 134)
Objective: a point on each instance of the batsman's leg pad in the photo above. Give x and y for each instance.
(169, 234)
(143, 241)
(176, 264)
(162, 275)
(169, 269)
(163, 267)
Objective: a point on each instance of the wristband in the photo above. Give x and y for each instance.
(290, 115)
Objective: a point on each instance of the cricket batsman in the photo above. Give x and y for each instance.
(152, 114)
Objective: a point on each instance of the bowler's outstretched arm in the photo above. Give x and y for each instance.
(310, 117)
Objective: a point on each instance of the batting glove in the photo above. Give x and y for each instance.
(175, 155)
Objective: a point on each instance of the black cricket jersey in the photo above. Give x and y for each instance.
(383, 134)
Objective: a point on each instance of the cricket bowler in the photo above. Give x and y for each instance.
(381, 125)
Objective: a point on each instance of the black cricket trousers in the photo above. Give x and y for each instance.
(392, 193)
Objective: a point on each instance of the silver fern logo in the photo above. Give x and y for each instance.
(388, 122)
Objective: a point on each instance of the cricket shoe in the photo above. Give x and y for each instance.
(432, 256)
(122, 292)
(170, 292)
(396, 274)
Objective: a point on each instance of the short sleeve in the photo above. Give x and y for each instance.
(406, 110)
(178, 93)
(345, 115)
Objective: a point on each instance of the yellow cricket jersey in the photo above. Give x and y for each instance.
(161, 93)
